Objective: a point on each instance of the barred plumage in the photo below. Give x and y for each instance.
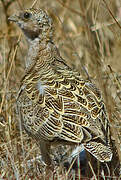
(54, 102)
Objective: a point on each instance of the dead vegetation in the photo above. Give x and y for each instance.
(88, 36)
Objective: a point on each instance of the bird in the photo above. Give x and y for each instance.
(55, 104)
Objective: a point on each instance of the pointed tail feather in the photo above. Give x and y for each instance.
(100, 151)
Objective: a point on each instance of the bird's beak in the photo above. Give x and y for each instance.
(13, 18)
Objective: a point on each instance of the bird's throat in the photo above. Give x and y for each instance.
(30, 34)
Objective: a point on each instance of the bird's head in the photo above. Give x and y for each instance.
(35, 23)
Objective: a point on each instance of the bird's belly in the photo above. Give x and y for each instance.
(35, 118)
(31, 114)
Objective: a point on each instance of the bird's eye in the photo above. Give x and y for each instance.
(27, 15)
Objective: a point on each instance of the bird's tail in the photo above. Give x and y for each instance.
(102, 152)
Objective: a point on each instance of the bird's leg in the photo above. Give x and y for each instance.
(45, 151)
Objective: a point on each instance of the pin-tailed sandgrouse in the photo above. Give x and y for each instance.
(54, 102)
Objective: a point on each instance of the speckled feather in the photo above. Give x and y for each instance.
(55, 103)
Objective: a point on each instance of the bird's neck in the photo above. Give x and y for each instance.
(35, 52)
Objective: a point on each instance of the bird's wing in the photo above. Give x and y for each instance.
(79, 107)
(85, 119)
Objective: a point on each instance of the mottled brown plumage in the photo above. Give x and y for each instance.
(55, 103)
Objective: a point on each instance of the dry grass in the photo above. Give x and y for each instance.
(88, 36)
